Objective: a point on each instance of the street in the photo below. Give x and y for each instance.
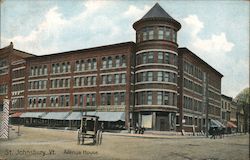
(48, 144)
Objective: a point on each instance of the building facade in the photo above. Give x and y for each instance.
(153, 82)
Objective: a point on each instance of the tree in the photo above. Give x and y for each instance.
(244, 101)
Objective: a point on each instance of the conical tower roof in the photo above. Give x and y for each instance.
(157, 11)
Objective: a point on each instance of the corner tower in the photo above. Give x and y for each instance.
(156, 70)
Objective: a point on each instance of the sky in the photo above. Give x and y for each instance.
(217, 31)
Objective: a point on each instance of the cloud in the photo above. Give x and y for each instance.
(55, 31)
(135, 13)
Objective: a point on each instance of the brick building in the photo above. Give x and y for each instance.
(151, 82)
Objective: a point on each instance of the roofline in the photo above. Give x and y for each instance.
(186, 49)
(24, 52)
(89, 49)
(227, 97)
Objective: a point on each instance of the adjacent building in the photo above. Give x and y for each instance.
(150, 82)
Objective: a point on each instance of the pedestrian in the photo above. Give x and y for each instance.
(213, 133)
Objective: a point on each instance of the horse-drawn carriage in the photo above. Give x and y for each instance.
(90, 129)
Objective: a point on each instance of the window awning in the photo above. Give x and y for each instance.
(33, 114)
(231, 125)
(56, 115)
(216, 123)
(103, 116)
(16, 115)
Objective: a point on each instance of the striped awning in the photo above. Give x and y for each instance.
(33, 114)
(56, 115)
(231, 125)
(216, 123)
(16, 115)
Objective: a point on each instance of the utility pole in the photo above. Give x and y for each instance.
(207, 104)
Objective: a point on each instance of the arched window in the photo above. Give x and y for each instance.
(104, 62)
(109, 62)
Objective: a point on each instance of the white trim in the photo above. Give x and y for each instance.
(213, 90)
(59, 88)
(41, 89)
(192, 97)
(113, 91)
(17, 97)
(216, 89)
(113, 84)
(4, 67)
(156, 64)
(90, 70)
(19, 68)
(142, 70)
(156, 105)
(84, 86)
(17, 79)
(215, 100)
(88, 75)
(111, 73)
(34, 76)
(56, 74)
(84, 93)
(159, 50)
(120, 67)
(66, 77)
(44, 95)
(154, 89)
(18, 62)
(155, 82)
(42, 79)
(17, 82)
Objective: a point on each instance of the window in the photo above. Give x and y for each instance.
(108, 98)
(116, 98)
(151, 34)
(167, 34)
(123, 61)
(67, 100)
(77, 67)
(109, 79)
(150, 57)
(159, 98)
(166, 98)
(117, 61)
(75, 100)
(167, 60)
(104, 79)
(62, 100)
(149, 97)
(123, 78)
(144, 37)
(144, 58)
(122, 94)
(103, 99)
(93, 81)
(160, 57)
(144, 76)
(174, 36)
(117, 78)
(159, 76)
(150, 76)
(104, 62)
(94, 64)
(93, 100)
(109, 62)
(160, 33)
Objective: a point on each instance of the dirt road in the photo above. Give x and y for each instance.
(48, 144)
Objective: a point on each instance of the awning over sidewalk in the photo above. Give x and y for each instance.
(111, 116)
(215, 123)
(16, 115)
(56, 115)
(33, 114)
(103, 116)
(74, 116)
(231, 125)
